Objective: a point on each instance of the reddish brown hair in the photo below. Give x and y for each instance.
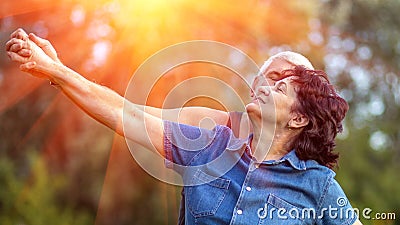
(325, 110)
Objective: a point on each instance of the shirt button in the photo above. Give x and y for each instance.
(248, 188)
(239, 212)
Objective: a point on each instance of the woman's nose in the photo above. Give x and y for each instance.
(265, 90)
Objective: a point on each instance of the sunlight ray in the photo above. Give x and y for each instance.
(38, 123)
(12, 90)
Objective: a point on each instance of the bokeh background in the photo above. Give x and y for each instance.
(58, 166)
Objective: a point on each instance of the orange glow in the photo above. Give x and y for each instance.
(11, 8)
(106, 41)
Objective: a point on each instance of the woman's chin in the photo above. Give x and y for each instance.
(253, 108)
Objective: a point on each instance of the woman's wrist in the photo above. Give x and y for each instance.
(56, 73)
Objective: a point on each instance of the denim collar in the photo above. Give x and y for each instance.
(294, 161)
(291, 157)
(235, 144)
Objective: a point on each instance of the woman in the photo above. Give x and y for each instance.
(279, 175)
(292, 184)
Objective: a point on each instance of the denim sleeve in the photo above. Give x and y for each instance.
(335, 207)
(182, 143)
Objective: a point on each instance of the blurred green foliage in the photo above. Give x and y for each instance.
(33, 198)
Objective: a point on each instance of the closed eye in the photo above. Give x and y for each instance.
(281, 87)
(274, 75)
(273, 81)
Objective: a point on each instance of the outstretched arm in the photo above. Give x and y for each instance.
(187, 115)
(99, 102)
(38, 57)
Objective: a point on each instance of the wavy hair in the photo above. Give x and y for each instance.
(318, 100)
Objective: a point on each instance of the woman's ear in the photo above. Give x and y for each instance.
(298, 121)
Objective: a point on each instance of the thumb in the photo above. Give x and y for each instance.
(37, 40)
(45, 45)
(26, 67)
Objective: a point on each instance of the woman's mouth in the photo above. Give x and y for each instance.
(258, 99)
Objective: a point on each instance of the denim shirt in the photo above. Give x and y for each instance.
(224, 184)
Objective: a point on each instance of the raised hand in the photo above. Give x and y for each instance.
(34, 58)
(44, 44)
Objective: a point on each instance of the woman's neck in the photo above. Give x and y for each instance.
(270, 143)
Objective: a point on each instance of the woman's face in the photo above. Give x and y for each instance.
(271, 74)
(273, 104)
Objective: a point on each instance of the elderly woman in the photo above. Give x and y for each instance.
(280, 174)
(291, 184)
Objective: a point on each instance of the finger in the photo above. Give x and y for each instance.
(19, 33)
(45, 45)
(19, 30)
(38, 40)
(26, 67)
(19, 46)
(16, 58)
(15, 47)
(25, 53)
(12, 42)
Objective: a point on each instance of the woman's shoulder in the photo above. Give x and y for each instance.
(313, 166)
